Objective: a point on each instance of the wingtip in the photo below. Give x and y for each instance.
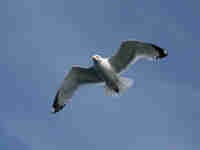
(56, 108)
(162, 53)
(53, 111)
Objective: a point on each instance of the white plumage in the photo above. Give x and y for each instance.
(107, 71)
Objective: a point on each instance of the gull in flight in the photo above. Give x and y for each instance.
(107, 70)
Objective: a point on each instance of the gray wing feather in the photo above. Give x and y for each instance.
(76, 77)
(130, 51)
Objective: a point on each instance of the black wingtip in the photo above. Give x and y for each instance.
(56, 106)
(55, 100)
(162, 53)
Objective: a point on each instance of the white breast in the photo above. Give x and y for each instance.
(106, 64)
(107, 71)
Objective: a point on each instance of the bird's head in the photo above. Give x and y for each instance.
(96, 58)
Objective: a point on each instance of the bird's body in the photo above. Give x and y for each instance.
(106, 70)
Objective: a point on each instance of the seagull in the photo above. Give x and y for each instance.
(107, 71)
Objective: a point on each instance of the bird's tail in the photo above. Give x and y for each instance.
(123, 85)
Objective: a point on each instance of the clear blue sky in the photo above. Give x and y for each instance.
(41, 39)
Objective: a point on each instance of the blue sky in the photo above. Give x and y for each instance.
(40, 40)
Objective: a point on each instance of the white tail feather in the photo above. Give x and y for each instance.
(124, 84)
(109, 92)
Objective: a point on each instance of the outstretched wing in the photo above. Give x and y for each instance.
(130, 51)
(76, 77)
